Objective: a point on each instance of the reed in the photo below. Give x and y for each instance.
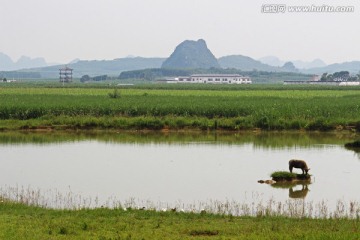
(255, 207)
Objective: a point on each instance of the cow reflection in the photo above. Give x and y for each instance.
(299, 193)
(296, 190)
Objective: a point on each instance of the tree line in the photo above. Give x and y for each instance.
(340, 76)
(87, 78)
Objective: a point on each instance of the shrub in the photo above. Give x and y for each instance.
(115, 94)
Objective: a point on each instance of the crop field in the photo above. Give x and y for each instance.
(269, 108)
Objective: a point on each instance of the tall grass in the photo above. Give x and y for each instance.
(256, 207)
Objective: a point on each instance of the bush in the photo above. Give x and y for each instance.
(115, 94)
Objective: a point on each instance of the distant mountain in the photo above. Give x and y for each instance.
(272, 61)
(299, 64)
(6, 64)
(306, 65)
(289, 67)
(188, 55)
(352, 67)
(27, 62)
(318, 66)
(103, 67)
(191, 54)
(73, 61)
(245, 63)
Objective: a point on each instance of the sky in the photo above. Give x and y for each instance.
(62, 30)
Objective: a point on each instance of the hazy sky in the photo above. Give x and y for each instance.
(61, 30)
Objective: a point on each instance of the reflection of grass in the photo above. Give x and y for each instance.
(270, 140)
(353, 145)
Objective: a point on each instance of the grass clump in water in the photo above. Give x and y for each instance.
(283, 174)
(288, 176)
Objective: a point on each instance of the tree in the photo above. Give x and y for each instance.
(100, 78)
(323, 77)
(341, 76)
(4, 80)
(329, 77)
(85, 78)
(353, 78)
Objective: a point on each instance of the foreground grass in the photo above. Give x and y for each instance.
(18, 221)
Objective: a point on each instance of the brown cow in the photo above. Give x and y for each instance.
(298, 164)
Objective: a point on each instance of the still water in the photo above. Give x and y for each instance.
(178, 169)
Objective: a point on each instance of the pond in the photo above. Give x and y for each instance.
(186, 170)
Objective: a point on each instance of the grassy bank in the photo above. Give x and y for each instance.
(18, 221)
(155, 108)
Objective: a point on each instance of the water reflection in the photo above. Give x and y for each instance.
(299, 193)
(296, 190)
(356, 150)
(259, 140)
(177, 167)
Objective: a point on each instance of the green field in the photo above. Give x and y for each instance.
(158, 107)
(18, 221)
(273, 107)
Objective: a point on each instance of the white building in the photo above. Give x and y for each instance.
(219, 79)
(168, 80)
